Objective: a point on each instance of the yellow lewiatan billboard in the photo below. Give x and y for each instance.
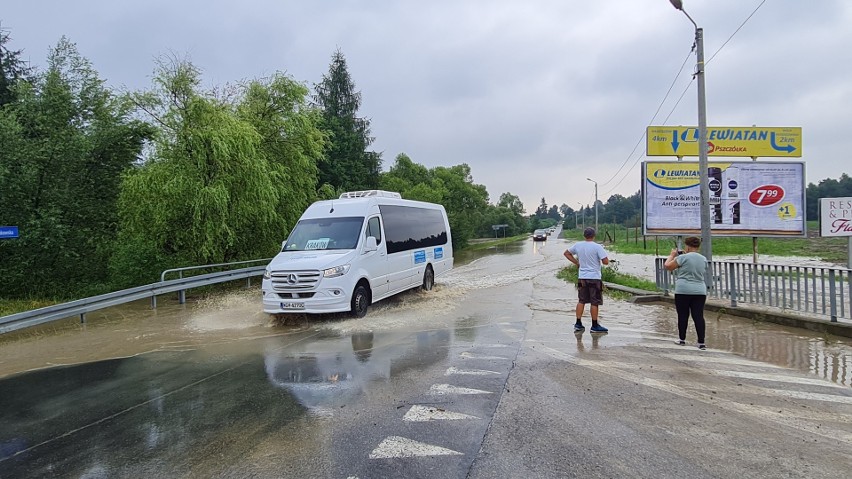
(747, 198)
(785, 142)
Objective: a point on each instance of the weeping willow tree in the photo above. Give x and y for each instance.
(224, 179)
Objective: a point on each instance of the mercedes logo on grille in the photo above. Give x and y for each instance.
(292, 278)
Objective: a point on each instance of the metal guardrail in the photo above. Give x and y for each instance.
(82, 306)
(208, 266)
(807, 289)
(182, 292)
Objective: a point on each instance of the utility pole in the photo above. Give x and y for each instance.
(596, 203)
(703, 175)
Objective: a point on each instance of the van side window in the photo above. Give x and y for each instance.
(374, 228)
(410, 228)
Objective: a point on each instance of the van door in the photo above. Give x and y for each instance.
(375, 263)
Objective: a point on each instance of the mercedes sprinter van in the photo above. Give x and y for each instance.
(348, 253)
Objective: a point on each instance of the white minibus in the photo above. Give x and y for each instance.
(348, 253)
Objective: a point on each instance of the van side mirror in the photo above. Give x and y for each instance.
(370, 244)
(283, 244)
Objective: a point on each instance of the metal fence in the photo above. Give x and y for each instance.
(80, 307)
(806, 289)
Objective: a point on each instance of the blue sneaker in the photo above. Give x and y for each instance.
(597, 328)
(579, 328)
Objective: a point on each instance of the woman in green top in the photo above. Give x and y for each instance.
(690, 288)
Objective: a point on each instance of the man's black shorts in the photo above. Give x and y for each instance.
(590, 291)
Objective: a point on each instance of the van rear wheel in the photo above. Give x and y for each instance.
(428, 279)
(360, 301)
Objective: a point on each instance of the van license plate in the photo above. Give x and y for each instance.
(293, 305)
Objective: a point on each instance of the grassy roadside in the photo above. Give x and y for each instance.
(12, 306)
(611, 275)
(491, 242)
(631, 241)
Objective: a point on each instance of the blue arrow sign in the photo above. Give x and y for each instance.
(675, 143)
(787, 148)
(8, 232)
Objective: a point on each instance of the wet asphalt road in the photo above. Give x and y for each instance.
(481, 377)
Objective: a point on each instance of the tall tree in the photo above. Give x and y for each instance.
(512, 202)
(827, 188)
(541, 211)
(12, 69)
(291, 141)
(226, 178)
(465, 201)
(71, 140)
(347, 164)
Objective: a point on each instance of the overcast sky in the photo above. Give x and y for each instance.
(535, 95)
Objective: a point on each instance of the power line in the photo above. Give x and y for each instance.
(636, 162)
(659, 107)
(735, 32)
(676, 103)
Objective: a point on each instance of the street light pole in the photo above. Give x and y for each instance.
(596, 203)
(703, 175)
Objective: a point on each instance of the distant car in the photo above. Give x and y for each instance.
(540, 235)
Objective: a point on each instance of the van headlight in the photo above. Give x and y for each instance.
(267, 274)
(336, 271)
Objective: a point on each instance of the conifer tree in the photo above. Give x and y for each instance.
(347, 164)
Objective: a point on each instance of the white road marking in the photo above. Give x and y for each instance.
(701, 395)
(469, 372)
(419, 413)
(734, 374)
(701, 357)
(442, 389)
(397, 446)
(809, 415)
(670, 345)
(779, 378)
(467, 355)
(762, 391)
(814, 396)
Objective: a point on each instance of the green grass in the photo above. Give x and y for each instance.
(611, 275)
(12, 306)
(492, 242)
(618, 239)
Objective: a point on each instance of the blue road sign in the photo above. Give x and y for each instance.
(8, 232)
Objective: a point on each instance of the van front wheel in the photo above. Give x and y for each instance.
(360, 301)
(428, 279)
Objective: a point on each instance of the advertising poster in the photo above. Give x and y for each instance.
(835, 216)
(747, 198)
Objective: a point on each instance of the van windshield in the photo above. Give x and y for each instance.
(325, 233)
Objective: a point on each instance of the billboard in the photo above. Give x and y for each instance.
(747, 198)
(784, 142)
(835, 216)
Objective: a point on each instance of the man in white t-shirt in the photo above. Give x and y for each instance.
(588, 256)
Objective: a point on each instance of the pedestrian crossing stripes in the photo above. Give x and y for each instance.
(745, 397)
(469, 372)
(397, 446)
(467, 355)
(419, 413)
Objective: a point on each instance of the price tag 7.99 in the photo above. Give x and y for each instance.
(766, 195)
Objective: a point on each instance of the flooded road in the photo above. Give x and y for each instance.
(435, 384)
